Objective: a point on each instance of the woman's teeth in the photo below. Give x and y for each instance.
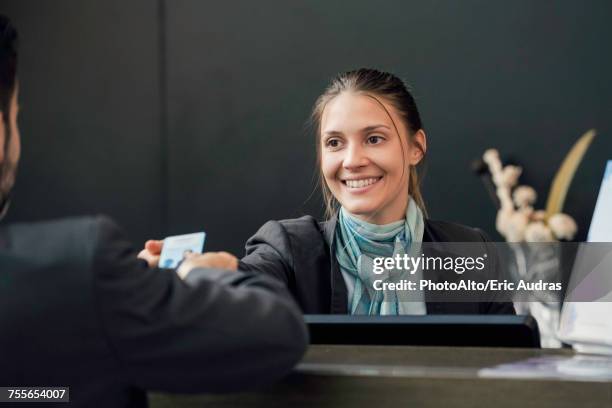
(361, 183)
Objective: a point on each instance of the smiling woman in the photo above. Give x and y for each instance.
(364, 157)
(370, 141)
(369, 134)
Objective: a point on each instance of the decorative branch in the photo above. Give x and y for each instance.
(565, 174)
(516, 218)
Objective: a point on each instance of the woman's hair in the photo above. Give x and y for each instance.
(376, 84)
(8, 71)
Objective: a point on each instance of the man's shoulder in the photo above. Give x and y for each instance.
(57, 238)
(55, 229)
(58, 225)
(446, 231)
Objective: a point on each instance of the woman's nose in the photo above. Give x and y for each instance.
(355, 157)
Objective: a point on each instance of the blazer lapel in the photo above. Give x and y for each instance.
(339, 293)
(429, 236)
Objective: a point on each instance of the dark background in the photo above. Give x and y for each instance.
(177, 116)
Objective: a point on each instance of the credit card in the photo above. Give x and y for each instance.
(176, 247)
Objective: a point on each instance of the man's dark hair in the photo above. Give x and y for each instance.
(8, 71)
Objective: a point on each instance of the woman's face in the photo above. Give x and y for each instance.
(364, 161)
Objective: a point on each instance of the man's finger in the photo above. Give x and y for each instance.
(152, 260)
(189, 255)
(154, 246)
(144, 254)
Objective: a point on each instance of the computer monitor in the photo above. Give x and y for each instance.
(428, 330)
(601, 223)
(587, 324)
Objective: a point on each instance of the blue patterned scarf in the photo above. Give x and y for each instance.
(358, 242)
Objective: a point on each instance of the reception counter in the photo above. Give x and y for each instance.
(379, 376)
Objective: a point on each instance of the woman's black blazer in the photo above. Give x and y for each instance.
(299, 253)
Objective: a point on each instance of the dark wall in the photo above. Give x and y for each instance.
(90, 111)
(176, 116)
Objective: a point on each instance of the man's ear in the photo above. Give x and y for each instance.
(2, 136)
(419, 147)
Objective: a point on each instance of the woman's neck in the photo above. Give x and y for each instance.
(384, 216)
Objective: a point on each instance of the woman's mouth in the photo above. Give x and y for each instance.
(361, 185)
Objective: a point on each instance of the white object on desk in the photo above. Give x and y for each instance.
(588, 325)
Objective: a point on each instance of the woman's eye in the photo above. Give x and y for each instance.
(333, 143)
(375, 139)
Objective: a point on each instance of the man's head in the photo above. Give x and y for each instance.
(9, 133)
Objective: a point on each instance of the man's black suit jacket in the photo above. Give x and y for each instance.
(78, 309)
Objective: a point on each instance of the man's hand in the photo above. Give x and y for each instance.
(151, 252)
(216, 260)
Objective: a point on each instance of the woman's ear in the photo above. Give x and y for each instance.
(419, 147)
